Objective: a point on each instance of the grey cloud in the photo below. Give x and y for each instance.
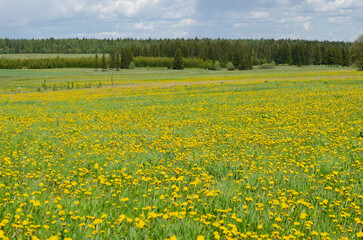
(309, 19)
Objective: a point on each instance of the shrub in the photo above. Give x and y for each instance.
(267, 66)
(216, 65)
(132, 65)
(230, 66)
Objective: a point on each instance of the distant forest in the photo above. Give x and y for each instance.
(204, 51)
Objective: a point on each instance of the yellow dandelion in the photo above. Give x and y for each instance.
(200, 237)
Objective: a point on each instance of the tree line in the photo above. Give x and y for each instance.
(242, 53)
(101, 62)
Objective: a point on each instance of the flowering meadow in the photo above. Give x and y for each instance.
(223, 160)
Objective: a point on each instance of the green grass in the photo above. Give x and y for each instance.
(182, 153)
(31, 80)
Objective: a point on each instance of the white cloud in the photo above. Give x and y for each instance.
(99, 35)
(187, 22)
(182, 23)
(283, 2)
(307, 26)
(143, 26)
(125, 7)
(258, 15)
(309, 19)
(115, 9)
(339, 19)
(332, 6)
(297, 19)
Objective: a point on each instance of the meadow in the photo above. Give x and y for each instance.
(193, 154)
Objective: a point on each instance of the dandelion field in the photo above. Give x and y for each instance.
(254, 159)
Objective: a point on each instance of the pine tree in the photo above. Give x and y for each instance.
(117, 61)
(297, 55)
(246, 59)
(96, 62)
(329, 57)
(317, 56)
(130, 57)
(124, 59)
(357, 53)
(338, 57)
(283, 55)
(112, 59)
(103, 63)
(178, 62)
(345, 57)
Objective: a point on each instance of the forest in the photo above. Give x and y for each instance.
(200, 53)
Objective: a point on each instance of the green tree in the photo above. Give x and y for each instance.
(123, 64)
(178, 62)
(283, 54)
(130, 56)
(317, 60)
(103, 63)
(126, 58)
(112, 59)
(246, 59)
(345, 57)
(297, 54)
(117, 61)
(357, 53)
(96, 62)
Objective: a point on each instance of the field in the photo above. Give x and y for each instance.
(194, 154)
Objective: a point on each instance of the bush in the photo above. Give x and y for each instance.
(216, 65)
(230, 66)
(132, 65)
(267, 66)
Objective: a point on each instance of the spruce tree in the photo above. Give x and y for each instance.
(285, 53)
(178, 62)
(112, 59)
(317, 56)
(246, 59)
(357, 53)
(346, 57)
(124, 61)
(96, 62)
(117, 61)
(130, 56)
(103, 63)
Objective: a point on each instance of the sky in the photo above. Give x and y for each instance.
(333, 20)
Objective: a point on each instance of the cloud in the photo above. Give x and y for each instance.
(99, 35)
(283, 2)
(309, 19)
(339, 19)
(143, 26)
(297, 19)
(109, 10)
(307, 26)
(332, 6)
(187, 22)
(259, 15)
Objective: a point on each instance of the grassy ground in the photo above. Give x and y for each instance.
(273, 154)
(31, 80)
